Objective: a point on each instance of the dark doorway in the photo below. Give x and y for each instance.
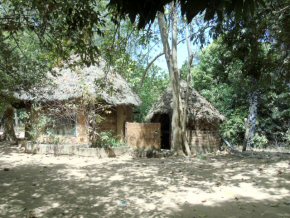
(165, 122)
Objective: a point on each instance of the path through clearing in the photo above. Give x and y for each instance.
(253, 185)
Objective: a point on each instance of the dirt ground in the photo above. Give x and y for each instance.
(254, 184)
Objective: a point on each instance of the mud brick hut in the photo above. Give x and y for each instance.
(80, 102)
(202, 125)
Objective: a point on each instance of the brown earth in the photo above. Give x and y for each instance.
(254, 184)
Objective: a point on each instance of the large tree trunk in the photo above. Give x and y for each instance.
(251, 121)
(9, 132)
(184, 116)
(171, 60)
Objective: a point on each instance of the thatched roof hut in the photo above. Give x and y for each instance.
(95, 81)
(198, 107)
(81, 85)
(203, 119)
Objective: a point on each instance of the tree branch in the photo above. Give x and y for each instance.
(148, 67)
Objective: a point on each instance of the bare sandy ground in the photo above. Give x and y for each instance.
(251, 185)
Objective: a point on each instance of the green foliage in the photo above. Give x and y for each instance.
(260, 141)
(23, 64)
(36, 36)
(23, 116)
(108, 140)
(39, 127)
(125, 49)
(234, 126)
(150, 92)
(223, 78)
(122, 47)
(63, 27)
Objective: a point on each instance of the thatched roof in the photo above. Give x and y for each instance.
(198, 107)
(73, 83)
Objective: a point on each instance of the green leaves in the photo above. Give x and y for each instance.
(226, 71)
(233, 128)
(63, 27)
(22, 62)
(144, 12)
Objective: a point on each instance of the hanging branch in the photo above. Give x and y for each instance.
(148, 67)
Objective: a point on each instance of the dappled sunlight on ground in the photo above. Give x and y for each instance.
(212, 186)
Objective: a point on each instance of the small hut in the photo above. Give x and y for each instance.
(202, 125)
(81, 101)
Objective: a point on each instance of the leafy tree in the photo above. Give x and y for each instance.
(248, 41)
(23, 64)
(154, 85)
(219, 77)
(33, 33)
(62, 27)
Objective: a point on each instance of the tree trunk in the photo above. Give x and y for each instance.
(9, 132)
(28, 123)
(251, 121)
(171, 60)
(184, 117)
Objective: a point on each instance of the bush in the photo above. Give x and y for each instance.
(108, 140)
(260, 141)
(233, 129)
(39, 127)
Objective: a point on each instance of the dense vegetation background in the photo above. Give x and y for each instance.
(233, 58)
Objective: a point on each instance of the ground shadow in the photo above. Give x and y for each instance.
(210, 186)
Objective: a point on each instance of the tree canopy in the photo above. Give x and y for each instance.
(145, 11)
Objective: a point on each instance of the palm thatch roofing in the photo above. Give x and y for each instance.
(96, 81)
(198, 107)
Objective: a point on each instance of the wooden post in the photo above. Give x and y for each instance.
(81, 127)
(121, 120)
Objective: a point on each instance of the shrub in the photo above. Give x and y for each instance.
(108, 140)
(39, 127)
(233, 129)
(260, 141)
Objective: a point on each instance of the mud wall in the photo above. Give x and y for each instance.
(109, 121)
(143, 135)
(203, 141)
(82, 133)
(124, 114)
